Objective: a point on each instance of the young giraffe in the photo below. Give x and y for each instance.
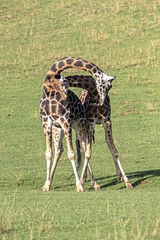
(96, 114)
(61, 109)
(75, 62)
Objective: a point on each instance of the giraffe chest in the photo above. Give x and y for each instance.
(62, 110)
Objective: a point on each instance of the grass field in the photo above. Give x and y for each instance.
(122, 38)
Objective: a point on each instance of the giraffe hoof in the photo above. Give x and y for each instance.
(129, 185)
(79, 188)
(96, 187)
(46, 188)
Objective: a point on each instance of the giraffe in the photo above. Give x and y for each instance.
(96, 114)
(62, 112)
(76, 62)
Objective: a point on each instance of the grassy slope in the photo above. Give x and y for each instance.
(123, 39)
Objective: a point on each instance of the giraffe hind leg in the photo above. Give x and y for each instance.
(47, 127)
(120, 172)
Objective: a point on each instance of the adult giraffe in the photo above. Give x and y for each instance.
(96, 114)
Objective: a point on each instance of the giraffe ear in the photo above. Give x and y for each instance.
(110, 78)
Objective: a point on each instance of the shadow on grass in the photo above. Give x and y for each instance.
(143, 175)
(136, 178)
(111, 183)
(64, 186)
(139, 177)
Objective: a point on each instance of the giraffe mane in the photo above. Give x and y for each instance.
(73, 62)
(76, 62)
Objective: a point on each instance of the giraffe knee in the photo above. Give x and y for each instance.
(59, 152)
(71, 155)
(49, 155)
(88, 154)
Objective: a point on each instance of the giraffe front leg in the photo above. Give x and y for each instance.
(79, 187)
(47, 126)
(87, 156)
(57, 134)
(120, 172)
(71, 156)
(79, 158)
(93, 181)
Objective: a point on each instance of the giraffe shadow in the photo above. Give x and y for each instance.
(111, 181)
(143, 175)
(63, 185)
(138, 177)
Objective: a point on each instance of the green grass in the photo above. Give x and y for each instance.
(108, 214)
(122, 38)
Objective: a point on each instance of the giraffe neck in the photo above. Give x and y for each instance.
(86, 82)
(74, 62)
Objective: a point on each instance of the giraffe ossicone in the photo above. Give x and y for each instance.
(77, 62)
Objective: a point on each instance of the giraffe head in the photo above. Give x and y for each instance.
(104, 84)
(59, 85)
